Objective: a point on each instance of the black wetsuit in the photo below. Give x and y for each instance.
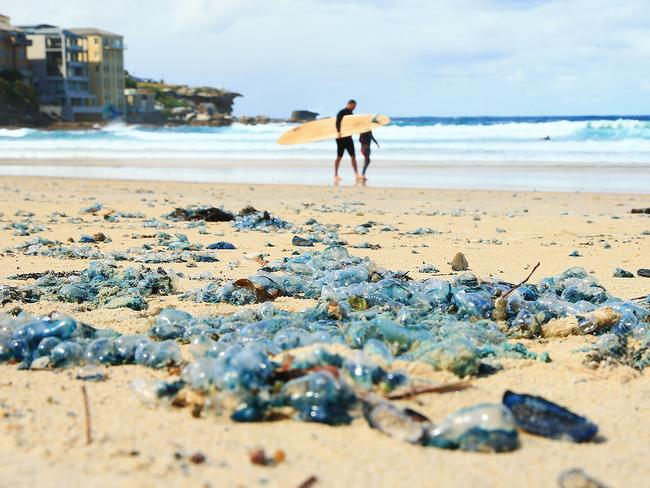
(364, 140)
(344, 143)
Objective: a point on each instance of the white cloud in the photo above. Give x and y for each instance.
(401, 57)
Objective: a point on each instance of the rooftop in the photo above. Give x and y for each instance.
(89, 31)
(42, 29)
(5, 24)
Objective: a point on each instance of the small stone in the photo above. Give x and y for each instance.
(621, 273)
(279, 456)
(301, 242)
(197, 458)
(459, 263)
(258, 456)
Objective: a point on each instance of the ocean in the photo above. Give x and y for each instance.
(599, 153)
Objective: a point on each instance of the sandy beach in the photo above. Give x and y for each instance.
(502, 234)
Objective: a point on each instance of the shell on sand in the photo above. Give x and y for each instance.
(600, 319)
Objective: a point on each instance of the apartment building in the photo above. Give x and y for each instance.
(13, 48)
(59, 63)
(105, 69)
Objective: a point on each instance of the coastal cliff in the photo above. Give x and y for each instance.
(183, 104)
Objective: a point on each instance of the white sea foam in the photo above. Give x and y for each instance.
(614, 143)
(610, 141)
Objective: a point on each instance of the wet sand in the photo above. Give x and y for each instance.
(503, 175)
(41, 413)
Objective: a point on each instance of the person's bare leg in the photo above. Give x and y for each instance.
(337, 163)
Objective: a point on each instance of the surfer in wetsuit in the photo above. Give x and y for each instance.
(344, 143)
(364, 140)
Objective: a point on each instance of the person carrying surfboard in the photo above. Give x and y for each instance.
(365, 138)
(344, 143)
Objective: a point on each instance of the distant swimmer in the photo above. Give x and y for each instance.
(364, 140)
(344, 143)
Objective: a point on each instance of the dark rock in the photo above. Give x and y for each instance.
(247, 211)
(301, 241)
(302, 116)
(209, 214)
(621, 273)
(221, 245)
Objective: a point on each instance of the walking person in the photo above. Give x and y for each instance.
(365, 139)
(344, 144)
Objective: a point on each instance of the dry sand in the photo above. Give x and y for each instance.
(42, 439)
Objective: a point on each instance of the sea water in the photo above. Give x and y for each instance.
(563, 153)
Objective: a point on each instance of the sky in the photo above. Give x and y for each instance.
(398, 57)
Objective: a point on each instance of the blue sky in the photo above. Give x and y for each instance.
(399, 57)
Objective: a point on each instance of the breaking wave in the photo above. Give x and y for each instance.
(612, 140)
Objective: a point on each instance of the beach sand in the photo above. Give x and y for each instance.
(42, 439)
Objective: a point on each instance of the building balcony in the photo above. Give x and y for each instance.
(52, 99)
(86, 110)
(80, 94)
(16, 41)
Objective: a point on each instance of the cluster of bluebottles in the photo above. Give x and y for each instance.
(249, 218)
(102, 284)
(235, 372)
(320, 387)
(445, 320)
(41, 246)
(60, 341)
(24, 228)
(168, 249)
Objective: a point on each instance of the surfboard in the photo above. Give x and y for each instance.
(319, 130)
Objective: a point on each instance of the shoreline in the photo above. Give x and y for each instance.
(198, 162)
(506, 176)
